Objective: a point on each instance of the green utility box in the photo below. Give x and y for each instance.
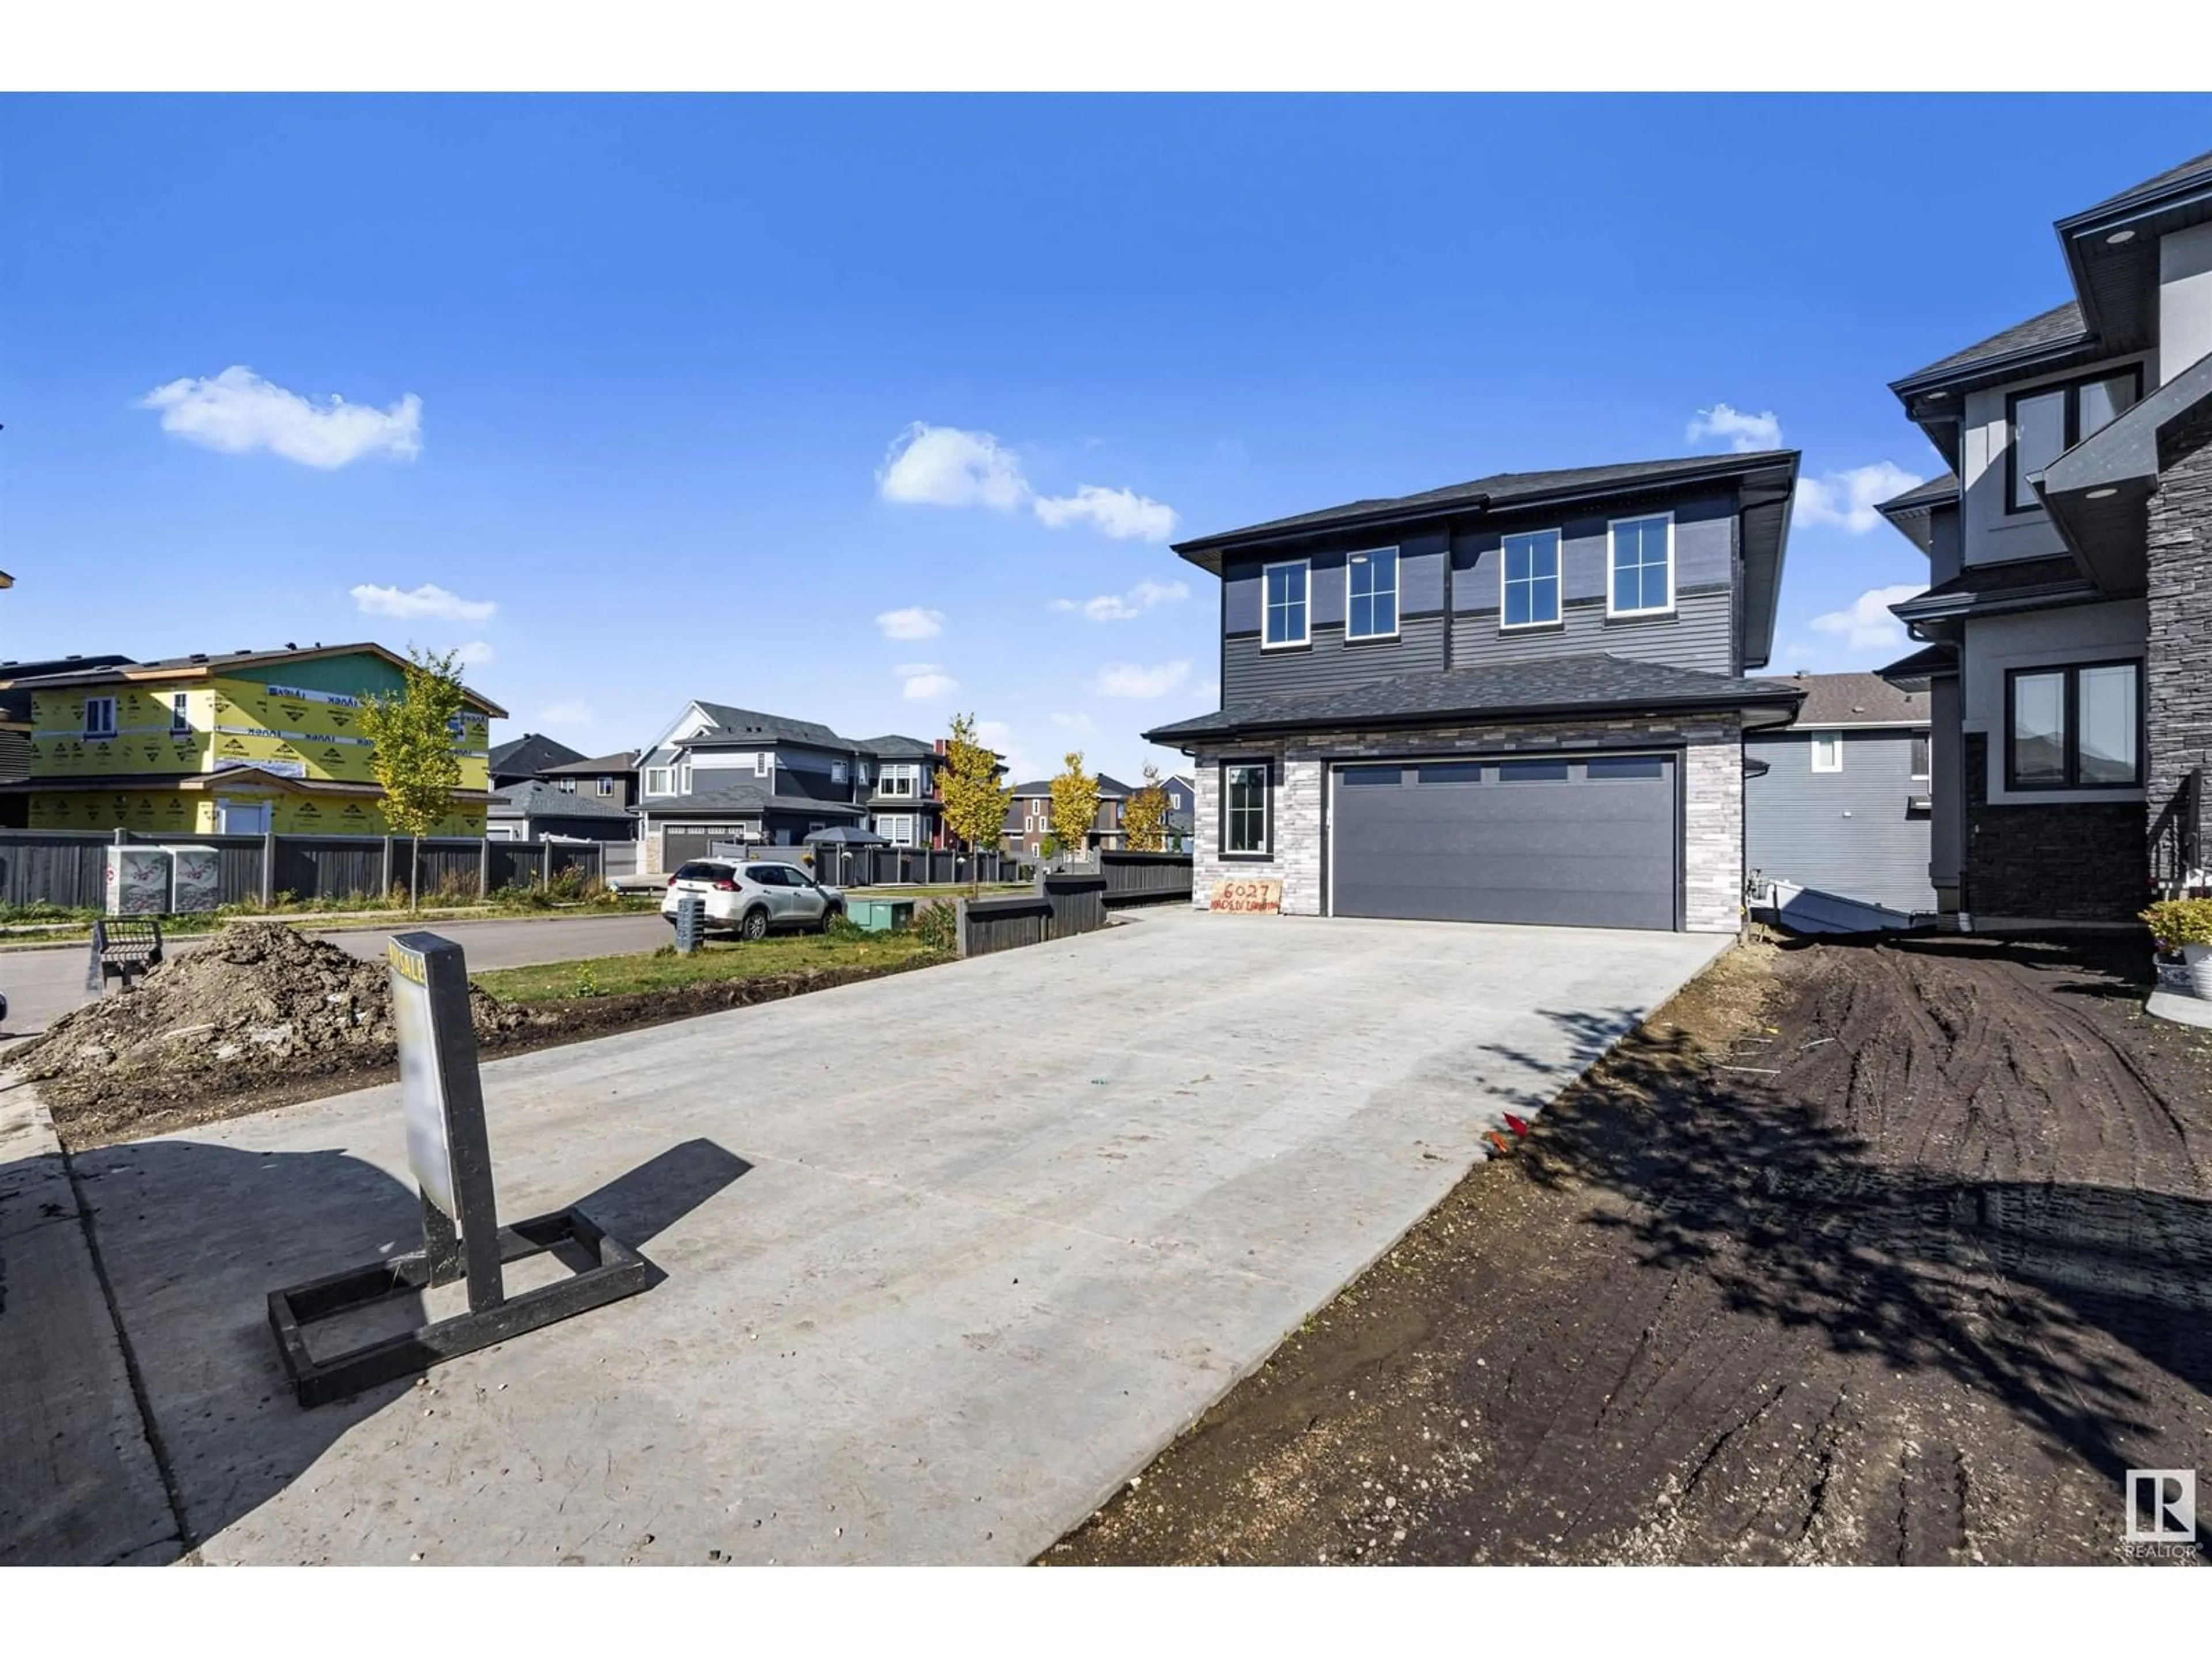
(880, 915)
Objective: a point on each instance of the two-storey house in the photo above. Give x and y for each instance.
(721, 774)
(1520, 699)
(1029, 816)
(2069, 619)
(242, 743)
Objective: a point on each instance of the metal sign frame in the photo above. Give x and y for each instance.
(450, 1154)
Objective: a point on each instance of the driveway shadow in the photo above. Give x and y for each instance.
(193, 1236)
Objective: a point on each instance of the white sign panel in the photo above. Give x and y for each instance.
(422, 1082)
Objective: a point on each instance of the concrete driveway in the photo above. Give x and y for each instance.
(948, 1256)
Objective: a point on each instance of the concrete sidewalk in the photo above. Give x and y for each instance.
(948, 1255)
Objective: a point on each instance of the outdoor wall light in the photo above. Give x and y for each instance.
(2118, 237)
(2100, 494)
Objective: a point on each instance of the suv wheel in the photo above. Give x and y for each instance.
(755, 926)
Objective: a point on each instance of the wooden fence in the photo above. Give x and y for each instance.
(1145, 877)
(69, 869)
(1062, 906)
(901, 866)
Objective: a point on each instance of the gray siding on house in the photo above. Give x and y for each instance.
(1247, 671)
(1843, 832)
(1700, 634)
(1704, 551)
(1421, 565)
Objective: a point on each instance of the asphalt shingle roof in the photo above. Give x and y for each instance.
(1857, 699)
(751, 723)
(1583, 683)
(1934, 493)
(2197, 168)
(2060, 325)
(1502, 489)
(531, 753)
(2012, 576)
(622, 761)
(751, 798)
(534, 799)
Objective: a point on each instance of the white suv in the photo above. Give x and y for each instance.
(753, 900)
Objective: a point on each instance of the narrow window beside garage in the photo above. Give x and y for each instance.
(1244, 808)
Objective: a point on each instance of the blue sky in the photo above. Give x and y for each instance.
(868, 409)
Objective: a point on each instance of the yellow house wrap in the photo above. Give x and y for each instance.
(250, 741)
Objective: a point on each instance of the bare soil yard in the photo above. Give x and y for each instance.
(1856, 1252)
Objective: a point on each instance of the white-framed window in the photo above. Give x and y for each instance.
(99, 717)
(606, 785)
(1244, 795)
(1283, 589)
(1370, 588)
(662, 780)
(903, 779)
(862, 773)
(1528, 580)
(1918, 773)
(764, 764)
(1827, 751)
(567, 786)
(180, 714)
(1641, 566)
(896, 827)
(836, 771)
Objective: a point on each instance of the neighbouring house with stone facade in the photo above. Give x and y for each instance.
(2069, 619)
(1521, 699)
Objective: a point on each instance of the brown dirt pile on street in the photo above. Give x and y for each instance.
(259, 1002)
(1857, 1251)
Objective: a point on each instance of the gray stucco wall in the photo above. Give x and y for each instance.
(1844, 832)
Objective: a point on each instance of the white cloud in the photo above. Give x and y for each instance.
(473, 653)
(238, 411)
(925, 680)
(1849, 498)
(1075, 722)
(997, 734)
(428, 600)
(1744, 432)
(1865, 623)
(947, 466)
(1128, 680)
(1121, 513)
(914, 623)
(1119, 607)
(566, 713)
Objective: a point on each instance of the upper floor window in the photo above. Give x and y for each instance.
(1371, 595)
(180, 714)
(904, 780)
(1827, 751)
(764, 764)
(2078, 726)
(567, 786)
(606, 785)
(836, 771)
(99, 717)
(1286, 604)
(1918, 773)
(657, 780)
(1530, 572)
(1643, 566)
(2046, 422)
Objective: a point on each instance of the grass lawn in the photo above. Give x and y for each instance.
(652, 971)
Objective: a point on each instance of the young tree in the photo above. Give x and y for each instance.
(414, 758)
(974, 801)
(1145, 819)
(1074, 805)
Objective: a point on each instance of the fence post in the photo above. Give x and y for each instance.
(960, 924)
(545, 864)
(385, 891)
(483, 868)
(268, 866)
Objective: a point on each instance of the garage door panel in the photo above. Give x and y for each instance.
(1586, 851)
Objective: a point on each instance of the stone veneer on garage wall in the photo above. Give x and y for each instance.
(2178, 664)
(1713, 790)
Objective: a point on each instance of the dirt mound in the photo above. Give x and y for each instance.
(259, 1002)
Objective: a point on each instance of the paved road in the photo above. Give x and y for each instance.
(43, 985)
(949, 1256)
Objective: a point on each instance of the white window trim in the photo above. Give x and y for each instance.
(906, 773)
(606, 785)
(1558, 578)
(1305, 610)
(763, 762)
(838, 771)
(1925, 742)
(94, 729)
(1397, 570)
(1827, 735)
(1611, 526)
